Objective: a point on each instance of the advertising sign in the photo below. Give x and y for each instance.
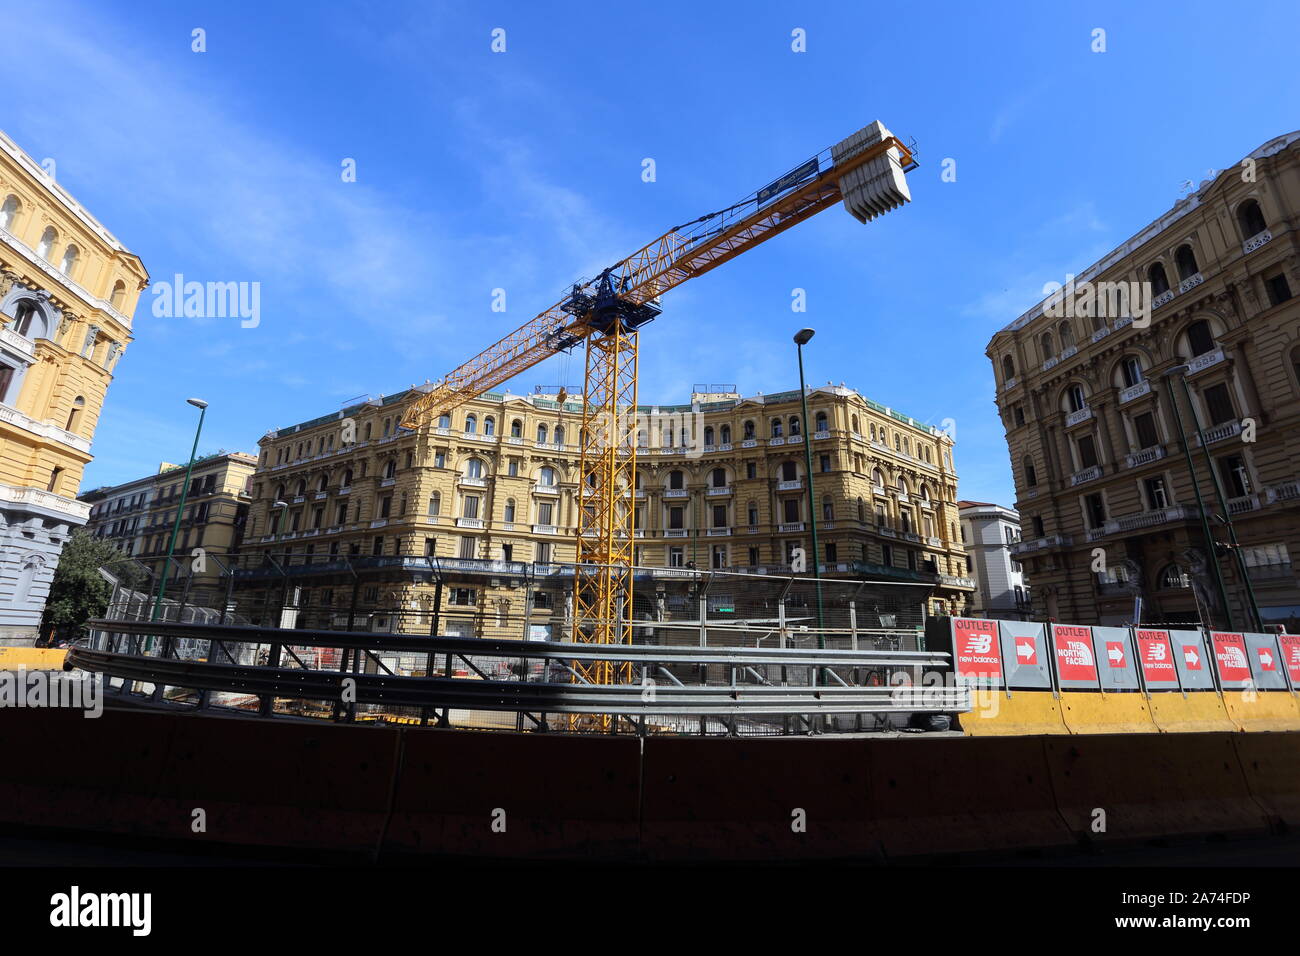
(977, 658)
(1156, 652)
(1024, 649)
(1076, 663)
(1230, 658)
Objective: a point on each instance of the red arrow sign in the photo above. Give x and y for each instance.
(1115, 653)
(1267, 661)
(1027, 651)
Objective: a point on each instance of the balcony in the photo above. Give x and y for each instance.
(1050, 364)
(1148, 519)
(514, 440)
(886, 532)
(1162, 298)
(717, 533)
(749, 443)
(1123, 321)
(725, 446)
(345, 490)
(789, 527)
(545, 529)
(1134, 391)
(1287, 491)
(676, 493)
(1078, 417)
(773, 442)
(1087, 474)
(1041, 544)
(718, 490)
(299, 499)
(675, 532)
(1205, 360)
(794, 440)
(819, 436)
(1191, 282)
(379, 523)
(1069, 352)
(1219, 432)
(1255, 241)
(1243, 504)
(387, 482)
(546, 490)
(469, 522)
(1100, 334)
(1145, 456)
(1007, 386)
(795, 485)
(468, 482)
(12, 416)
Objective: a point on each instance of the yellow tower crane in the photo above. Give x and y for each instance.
(865, 171)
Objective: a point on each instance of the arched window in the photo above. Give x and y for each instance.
(48, 238)
(489, 426)
(877, 478)
(1131, 370)
(474, 468)
(1199, 338)
(1031, 473)
(828, 509)
(388, 425)
(1074, 394)
(821, 422)
(925, 493)
(776, 428)
(302, 487)
(559, 434)
(347, 478)
(390, 469)
(435, 504)
(510, 509)
(1066, 332)
(1008, 368)
(749, 430)
(726, 434)
(25, 317)
(69, 260)
(676, 480)
(323, 483)
(1174, 577)
(118, 297)
(1045, 346)
(1159, 281)
(541, 433)
(367, 432)
(853, 424)
(862, 510)
(546, 477)
(718, 478)
(279, 492)
(794, 425)
(444, 421)
(516, 429)
(1250, 219)
(471, 424)
(9, 212)
(788, 471)
(1185, 260)
(708, 435)
(78, 404)
(902, 485)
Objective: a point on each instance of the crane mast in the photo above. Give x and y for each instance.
(864, 171)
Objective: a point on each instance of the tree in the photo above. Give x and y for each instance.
(78, 591)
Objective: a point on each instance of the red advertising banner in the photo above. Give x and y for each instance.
(1290, 644)
(1230, 656)
(1115, 654)
(1157, 657)
(1074, 658)
(1027, 650)
(975, 647)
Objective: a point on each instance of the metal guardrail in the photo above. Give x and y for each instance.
(453, 679)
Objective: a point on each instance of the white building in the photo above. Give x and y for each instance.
(988, 531)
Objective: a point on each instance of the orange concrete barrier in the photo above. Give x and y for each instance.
(1144, 789)
(1262, 710)
(712, 798)
(1197, 712)
(32, 658)
(1024, 713)
(1271, 763)
(1112, 713)
(501, 794)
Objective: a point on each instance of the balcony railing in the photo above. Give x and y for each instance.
(1087, 474)
(1082, 415)
(676, 493)
(718, 532)
(719, 490)
(1205, 360)
(1286, 491)
(1255, 241)
(1243, 504)
(469, 522)
(1162, 298)
(1220, 432)
(1041, 544)
(789, 526)
(1191, 282)
(1145, 456)
(1134, 391)
(48, 430)
(789, 485)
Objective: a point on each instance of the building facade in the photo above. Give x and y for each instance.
(138, 516)
(68, 289)
(490, 491)
(989, 533)
(1091, 396)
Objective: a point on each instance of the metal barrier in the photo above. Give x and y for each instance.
(739, 688)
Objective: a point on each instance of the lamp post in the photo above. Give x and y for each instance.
(1258, 621)
(202, 406)
(1210, 556)
(802, 338)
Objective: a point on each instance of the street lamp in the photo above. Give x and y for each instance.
(202, 406)
(1181, 371)
(1211, 556)
(802, 338)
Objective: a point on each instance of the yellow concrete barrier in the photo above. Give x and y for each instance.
(1262, 710)
(1095, 713)
(1198, 712)
(32, 658)
(1025, 713)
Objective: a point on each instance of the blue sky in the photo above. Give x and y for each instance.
(522, 170)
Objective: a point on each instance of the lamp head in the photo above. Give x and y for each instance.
(803, 336)
(280, 504)
(197, 402)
